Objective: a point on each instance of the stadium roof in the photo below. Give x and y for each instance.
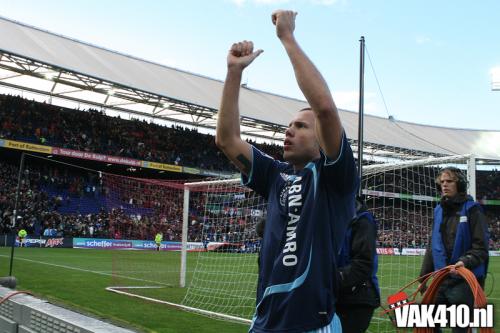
(45, 63)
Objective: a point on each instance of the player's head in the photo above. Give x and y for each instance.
(301, 143)
(451, 181)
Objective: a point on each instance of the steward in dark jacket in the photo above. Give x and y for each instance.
(359, 291)
(459, 237)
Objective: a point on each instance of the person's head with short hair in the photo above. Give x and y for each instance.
(301, 143)
(451, 181)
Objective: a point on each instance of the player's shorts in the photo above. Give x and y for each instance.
(334, 327)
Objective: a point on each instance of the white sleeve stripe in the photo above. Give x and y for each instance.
(341, 151)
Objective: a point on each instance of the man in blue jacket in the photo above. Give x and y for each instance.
(459, 237)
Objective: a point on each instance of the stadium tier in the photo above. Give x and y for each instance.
(67, 200)
(92, 131)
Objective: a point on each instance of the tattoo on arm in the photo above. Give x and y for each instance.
(245, 163)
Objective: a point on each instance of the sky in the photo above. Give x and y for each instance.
(433, 60)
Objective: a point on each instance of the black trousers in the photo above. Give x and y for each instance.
(355, 318)
(455, 291)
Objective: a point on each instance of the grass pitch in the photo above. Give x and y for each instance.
(77, 278)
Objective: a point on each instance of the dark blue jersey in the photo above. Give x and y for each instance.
(307, 215)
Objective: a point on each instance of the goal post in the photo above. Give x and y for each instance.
(471, 176)
(185, 222)
(188, 187)
(222, 277)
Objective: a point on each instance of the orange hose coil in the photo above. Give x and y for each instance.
(438, 277)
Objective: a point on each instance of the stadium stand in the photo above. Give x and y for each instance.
(488, 185)
(58, 202)
(93, 131)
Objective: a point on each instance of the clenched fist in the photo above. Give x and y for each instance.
(241, 55)
(284, 20)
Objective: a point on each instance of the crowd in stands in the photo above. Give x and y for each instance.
(93, 131)
(403, 228)
(125, 208)
(402, 181)
(489, 185)
(44, 199)
(493, 217)
(58, 201)
(398, 228)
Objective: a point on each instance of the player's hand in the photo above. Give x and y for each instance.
(284, 20)
(241, 55)
(459, 264)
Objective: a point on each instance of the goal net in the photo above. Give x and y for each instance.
(402, 196)
(113, 217)
(225, 275)
(137, 210)
(400, 192)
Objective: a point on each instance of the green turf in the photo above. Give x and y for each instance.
(77, 278)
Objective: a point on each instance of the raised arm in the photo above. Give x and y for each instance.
(313, 86)
(227, 136)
